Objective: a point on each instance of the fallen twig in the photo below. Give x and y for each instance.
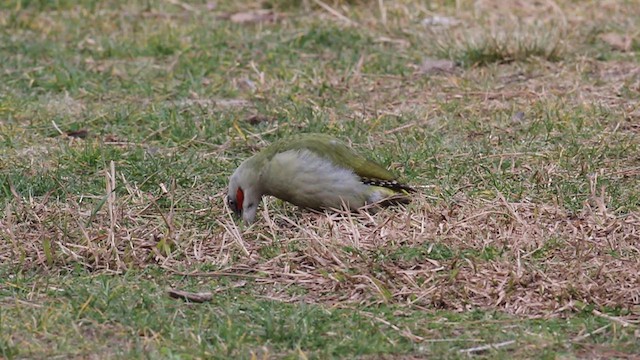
(487, 347)
(198, 297)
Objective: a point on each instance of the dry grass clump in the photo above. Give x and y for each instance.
(524, 258)
(484, 46)
(502, 34)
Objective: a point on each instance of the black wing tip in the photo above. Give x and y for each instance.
(390, 184)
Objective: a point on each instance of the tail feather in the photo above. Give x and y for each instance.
(394, 185)
(389, 184)
(383, 196)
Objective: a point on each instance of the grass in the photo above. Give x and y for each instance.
(130, 316)
(120, 123)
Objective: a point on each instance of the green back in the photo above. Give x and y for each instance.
(333, 149)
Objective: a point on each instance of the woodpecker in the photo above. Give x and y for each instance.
(314, 171)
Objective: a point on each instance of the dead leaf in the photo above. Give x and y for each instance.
(232, 103)
(617, 41)
(518, 116)
(245, 84)
(111, 138)
(256, 119)
(206, 103)
(82, 133)
(432, 66)
(255, 16)
(634, 115)
(441, 21)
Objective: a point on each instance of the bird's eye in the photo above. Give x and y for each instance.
(232, 204)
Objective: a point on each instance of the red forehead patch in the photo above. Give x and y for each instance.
(239, 199)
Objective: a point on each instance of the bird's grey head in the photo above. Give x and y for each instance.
(244, 193)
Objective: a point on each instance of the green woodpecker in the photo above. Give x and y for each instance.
(313, 171)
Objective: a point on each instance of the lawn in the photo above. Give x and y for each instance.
(518, 123)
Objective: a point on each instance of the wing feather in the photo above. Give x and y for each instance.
(336, 151)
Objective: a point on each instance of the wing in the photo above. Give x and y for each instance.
(336, 151)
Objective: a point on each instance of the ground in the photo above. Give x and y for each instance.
(120, 122)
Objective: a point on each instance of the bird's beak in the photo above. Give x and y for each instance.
(234, 207)
(237, 212)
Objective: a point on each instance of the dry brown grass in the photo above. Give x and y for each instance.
(548, 263)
